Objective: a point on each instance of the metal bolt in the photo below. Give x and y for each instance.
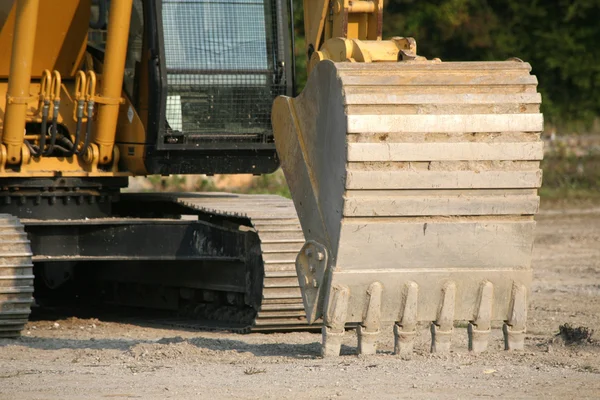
(320, 256)
(308, 252)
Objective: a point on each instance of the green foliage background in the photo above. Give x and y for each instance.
(557, 37)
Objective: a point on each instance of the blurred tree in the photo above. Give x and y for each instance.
(300, 43)
(557, 37)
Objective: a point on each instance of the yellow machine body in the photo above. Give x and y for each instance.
(414, 181)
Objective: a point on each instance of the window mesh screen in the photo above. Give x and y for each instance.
(222, 69)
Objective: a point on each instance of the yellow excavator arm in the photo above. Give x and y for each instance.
(46, 41)
(351, 31)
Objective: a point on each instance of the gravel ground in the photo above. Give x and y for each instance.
(76, 358)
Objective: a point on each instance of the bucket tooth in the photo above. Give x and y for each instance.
(441, 329)
(334, 322)
(421, 176)
(405, 331)
(368, 332)
(514, 328)
(480, 328)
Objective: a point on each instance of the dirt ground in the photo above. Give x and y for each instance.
(90, 358)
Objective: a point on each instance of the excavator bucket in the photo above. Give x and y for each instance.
(416, 187)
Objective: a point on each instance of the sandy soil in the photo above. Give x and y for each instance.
(89, 358)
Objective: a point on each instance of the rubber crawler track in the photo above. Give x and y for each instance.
(16, 277)
(275, 220)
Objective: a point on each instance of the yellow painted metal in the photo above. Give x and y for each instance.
(80, 87)
(362, 7)
(130, 134)
(131, 139)
(44, 95)
(33, 106)
(315, 12)
(132, 158)
(144, 90)
(55, 86)
(355, 50)
(353, 21)
(68, 166)
(112, 78)
(60, 36)
(20, 74)
(131, 129)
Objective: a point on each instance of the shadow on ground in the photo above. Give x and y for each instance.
(299, 351)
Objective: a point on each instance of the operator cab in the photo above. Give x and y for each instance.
(212, 71)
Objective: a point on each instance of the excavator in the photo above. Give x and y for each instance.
(414, 181)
